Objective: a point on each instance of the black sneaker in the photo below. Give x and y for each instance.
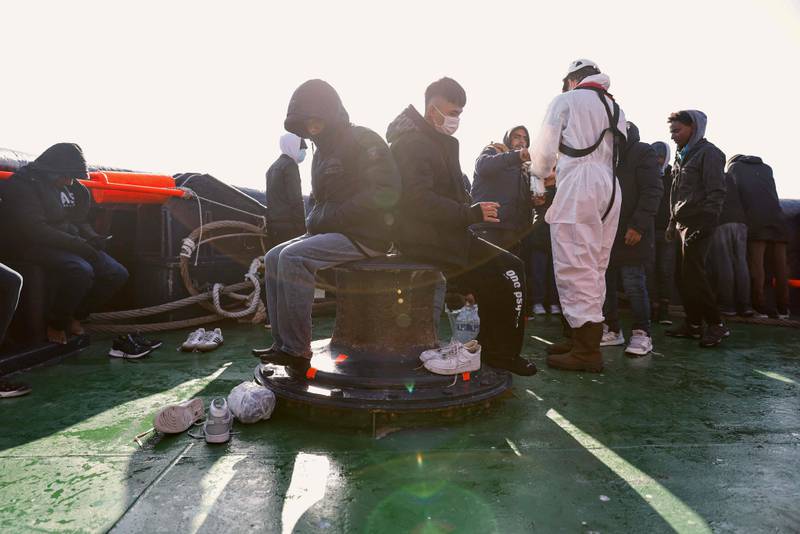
(714, 335)
(141, 340)
(258, 353)
(663, 315)
(127, 348)
(12, 389)
(686, 330)
(516, 365)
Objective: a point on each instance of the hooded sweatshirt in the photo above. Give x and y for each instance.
(435, 208)
(500, 177)
(640, 183)
(662, 216)
(698, 180)
(285, 211)
(354, 181)
(765, 218)
(39, 213)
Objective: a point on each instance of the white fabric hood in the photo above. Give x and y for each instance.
(290, 145)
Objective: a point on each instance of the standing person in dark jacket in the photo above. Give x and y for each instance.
(661, 271)
(727, 260)
(767, 230)
(356, 187)
(640, 182)
(46, 223)
(501, 177)
(436, 213)
(697, 195)
(286, 216)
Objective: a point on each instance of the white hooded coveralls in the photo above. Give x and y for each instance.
(581, 240)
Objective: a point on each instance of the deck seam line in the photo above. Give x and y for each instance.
(155, 481)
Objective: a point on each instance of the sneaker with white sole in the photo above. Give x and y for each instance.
(194, 339)
(127, 348)
(611, 339)
(640, 344)
(555, 309)
(176, 418)
(211, 340)
(13, 389)
(538, 309)
(217, 428)
(448, 350)
(464, 360)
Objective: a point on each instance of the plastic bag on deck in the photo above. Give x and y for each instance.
(250, 402)
(464, 323)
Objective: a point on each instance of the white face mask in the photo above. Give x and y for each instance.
(450, 124)
(301, 155)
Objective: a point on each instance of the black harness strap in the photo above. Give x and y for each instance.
(613, 119)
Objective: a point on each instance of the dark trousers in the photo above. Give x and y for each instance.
(497, 279)
(758, 253)
(661, 272)
(634, 283)
(81, 287)
(504, 238)
(698, 299)
(727, 266)
(541, 278)
(10, 288)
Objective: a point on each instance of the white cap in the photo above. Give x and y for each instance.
(578, 64)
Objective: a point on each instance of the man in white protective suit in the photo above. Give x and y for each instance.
(587, 128)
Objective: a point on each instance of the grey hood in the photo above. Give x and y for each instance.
(700, 120)
(662, 149)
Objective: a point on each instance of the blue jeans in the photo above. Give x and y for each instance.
(727, 267)
(81, 286)
(10, 288)
(291, 269)
(542, 279)
(634, 284)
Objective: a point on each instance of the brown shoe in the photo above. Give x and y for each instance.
(564, 346)
(585, 354)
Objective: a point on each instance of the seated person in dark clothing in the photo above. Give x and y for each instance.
(502, 177)
(436, 213)
(286, 216)
(45, 222)
(767, 231)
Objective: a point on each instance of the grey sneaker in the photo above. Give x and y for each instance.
(538, 309)
(611, 339)
(640, 344)
(194, 339)
(217, 428)
(448, 350)
(176, 418)
(211, 340)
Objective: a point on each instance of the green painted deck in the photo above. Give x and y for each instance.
(685, 440)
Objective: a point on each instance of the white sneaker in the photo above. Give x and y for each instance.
(211, 340)
(194, 339)
(217, 428)
(176, 418)
(640, 345)
(555, 309)
(611, 339)
(538, 309)
(448, 350)
(467, 358)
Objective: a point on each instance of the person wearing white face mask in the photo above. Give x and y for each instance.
(286, 218)
(436, 212)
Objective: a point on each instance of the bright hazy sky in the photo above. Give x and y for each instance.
(176, 86)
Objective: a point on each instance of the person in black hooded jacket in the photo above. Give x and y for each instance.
(44, 221)
(640, 182)
(355, 186)
(500, 176)
(436, 213)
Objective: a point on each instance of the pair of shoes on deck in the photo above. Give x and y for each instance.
(133, 346)
(177, 418)
(297, 364)
(203, 340)
(712, 337)
(453, 359)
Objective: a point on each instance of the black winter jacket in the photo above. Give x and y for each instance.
(499, 177)
(33, 214)
(435, 209)
(662, 215)
(354, 181)
(766, 220)
(640, 180)
(698, 187)
(284, 196)
(540, 233)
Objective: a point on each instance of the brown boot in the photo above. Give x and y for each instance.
(585, 354)
(564, 346)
